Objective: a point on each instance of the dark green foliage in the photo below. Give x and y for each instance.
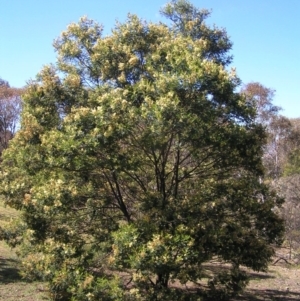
(140, 164)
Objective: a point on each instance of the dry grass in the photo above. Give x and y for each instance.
(281, 283)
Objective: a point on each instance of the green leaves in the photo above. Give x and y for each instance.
(189, 21)
(140, 164)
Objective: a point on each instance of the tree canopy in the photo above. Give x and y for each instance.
(137, 163)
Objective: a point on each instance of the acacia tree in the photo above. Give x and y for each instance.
(140, 164)
(10, 108)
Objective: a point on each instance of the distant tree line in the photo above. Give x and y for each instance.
(10, 109)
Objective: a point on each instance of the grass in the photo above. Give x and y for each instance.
(12, 286)
(280, 283)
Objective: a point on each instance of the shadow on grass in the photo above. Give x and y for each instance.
(215, 269)
(259, 276)
(9, 271)
(268, 295)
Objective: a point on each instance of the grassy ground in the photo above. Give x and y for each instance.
(281, 283)
(12, 286)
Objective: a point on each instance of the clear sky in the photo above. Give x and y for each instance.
(265, 35)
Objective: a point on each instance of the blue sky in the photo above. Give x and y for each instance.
(265, 35)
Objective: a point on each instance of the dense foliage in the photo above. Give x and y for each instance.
(137, 163)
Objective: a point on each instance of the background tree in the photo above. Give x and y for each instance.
(139, 165)
(292, 165)
(280, 158)
(278, 146)
(289, 188)
(10, 109)
(261, 98)
(278, 127)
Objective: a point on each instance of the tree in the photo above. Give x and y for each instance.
(281, 157)
(261, 98)
(139, 165)
(278, 128)
(189, 21)
(10, 108)
(278, 146)
(288, 185)
(292, 165)
(289, 188)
